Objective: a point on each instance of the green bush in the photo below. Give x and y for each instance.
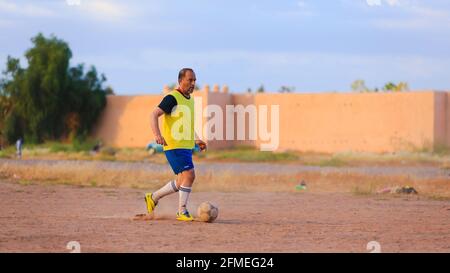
(80, 145)
(49, 99)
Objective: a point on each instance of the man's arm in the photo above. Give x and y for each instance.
(154, 122)
(200, 142)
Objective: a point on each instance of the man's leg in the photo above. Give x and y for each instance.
(186, 181)
(167, 189)
(152, 198)
(185, 189)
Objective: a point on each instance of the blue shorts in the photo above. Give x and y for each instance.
(180, 160)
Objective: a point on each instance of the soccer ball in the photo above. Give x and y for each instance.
(207, 212)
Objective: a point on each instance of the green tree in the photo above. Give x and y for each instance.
(261, 89)
(87, 98)
(10, 122)
(37, 102)
(286, 89)
(110, 91)
(359, 86)
(402, 86)
(392, 87)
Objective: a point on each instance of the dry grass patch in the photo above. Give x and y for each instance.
(225, 181)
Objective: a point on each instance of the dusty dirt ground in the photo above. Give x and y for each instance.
(44, 218)
(420, 171)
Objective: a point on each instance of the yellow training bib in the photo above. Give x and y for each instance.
(178, 127)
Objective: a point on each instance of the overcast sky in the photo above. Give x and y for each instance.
(314, 45)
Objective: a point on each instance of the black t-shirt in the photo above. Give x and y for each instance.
(169, 102)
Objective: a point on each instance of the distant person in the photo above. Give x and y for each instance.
(178, 149)
(19, 144)
(96, 147)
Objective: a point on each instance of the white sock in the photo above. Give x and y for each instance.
(184, 195)
(167, 189)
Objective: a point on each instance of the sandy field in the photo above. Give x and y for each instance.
(44, 218)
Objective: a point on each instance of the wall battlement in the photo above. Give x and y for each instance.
(319, 122)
